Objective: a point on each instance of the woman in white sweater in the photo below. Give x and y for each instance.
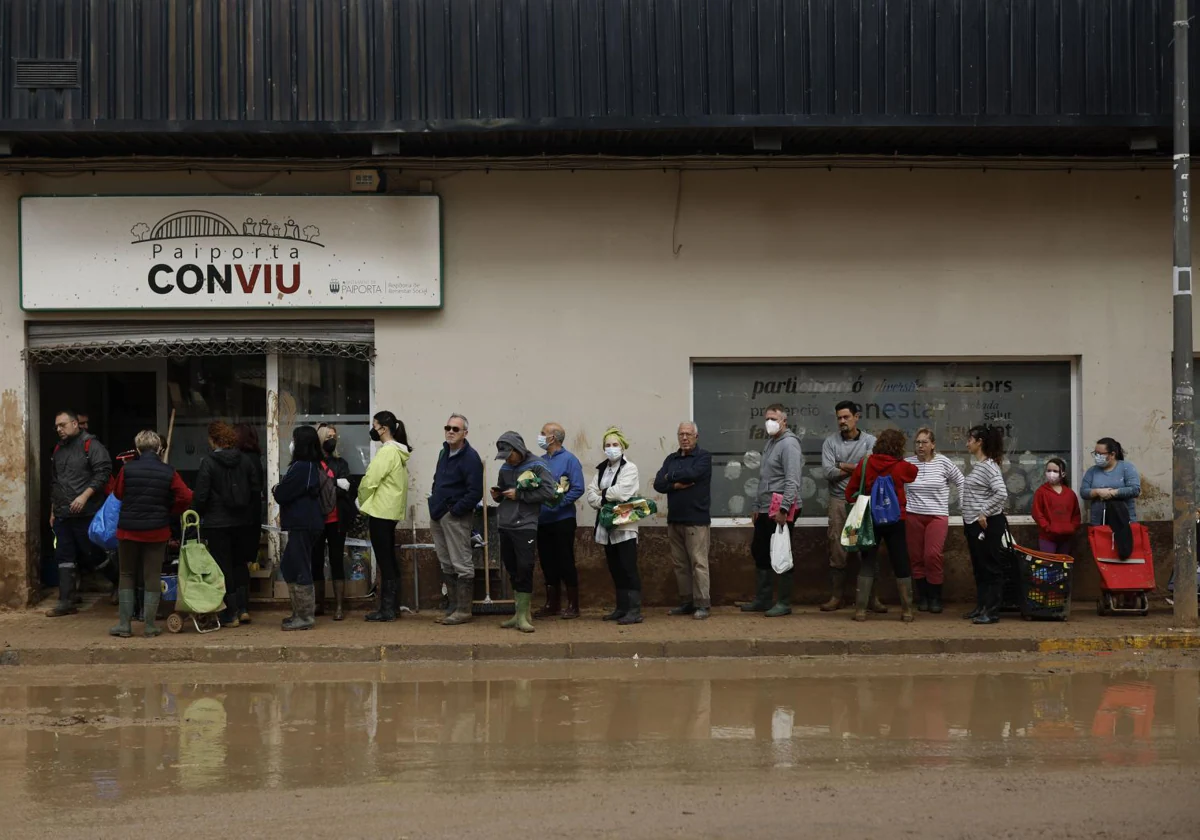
(928, 518)
(983, 500)
(616, 481)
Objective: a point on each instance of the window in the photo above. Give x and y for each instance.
(324, 389)
(1031, 400)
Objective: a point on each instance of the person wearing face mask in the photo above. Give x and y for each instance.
(337, 526)
(1056, 510)
(617, 481)
(383, 498)
(522, 487)
(782, 463)
(1111, 479)
(557, 525)
(225, 491)
(840, 454)
(457, 489)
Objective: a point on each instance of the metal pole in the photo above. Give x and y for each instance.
(1183, 449)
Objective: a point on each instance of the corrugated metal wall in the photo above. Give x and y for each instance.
(637, 63)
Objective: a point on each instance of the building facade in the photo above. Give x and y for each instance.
(692, 225)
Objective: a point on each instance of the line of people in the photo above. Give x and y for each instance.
(536, 497)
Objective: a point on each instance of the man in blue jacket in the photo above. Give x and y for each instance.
(556, 525)
(457, 489)
(686, 480)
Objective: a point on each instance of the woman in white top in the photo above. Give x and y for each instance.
(928, 517)
(616, 481)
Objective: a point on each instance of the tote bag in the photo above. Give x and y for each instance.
(859, 532)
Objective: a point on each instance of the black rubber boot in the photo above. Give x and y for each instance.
(935, 598)
(387, 602)
(979, 596)
(762, 592)
(553, 605)
(450, 582)
(622, 607)
(633, 607)
(990, 613)
(339, 600)
(318, 598)
(66, 594)
(922, 591)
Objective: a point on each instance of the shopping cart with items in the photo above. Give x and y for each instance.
(1045, 584)
(1125, 584)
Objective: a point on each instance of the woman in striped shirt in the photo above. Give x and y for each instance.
(929, 518)
(983, 500)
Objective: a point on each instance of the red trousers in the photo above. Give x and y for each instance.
(926, 539)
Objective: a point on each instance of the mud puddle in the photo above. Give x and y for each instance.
(153, 732)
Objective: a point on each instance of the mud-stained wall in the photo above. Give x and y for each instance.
(16, 552)
(583, 297)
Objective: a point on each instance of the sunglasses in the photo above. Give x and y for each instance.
(455, 429)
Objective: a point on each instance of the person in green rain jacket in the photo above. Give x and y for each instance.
(383, 498)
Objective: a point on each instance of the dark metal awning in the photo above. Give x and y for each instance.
(66, 343)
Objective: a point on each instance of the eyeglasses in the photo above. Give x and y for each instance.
(455, 429)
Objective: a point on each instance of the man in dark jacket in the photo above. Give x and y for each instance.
(80, 469)
(457, 489)
(686, 479)
(226, 487)
(525, 484)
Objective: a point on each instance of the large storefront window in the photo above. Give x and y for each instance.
(1031, 400)
(323, 389)
(201, 389)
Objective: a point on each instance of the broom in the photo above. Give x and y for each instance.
(487, 606)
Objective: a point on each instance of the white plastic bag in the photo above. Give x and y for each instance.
(854, 521)
(781, 550)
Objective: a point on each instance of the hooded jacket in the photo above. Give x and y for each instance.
(522, 513)
(901, 472)
(77, 464)
(383, 491)
(225, 476)
(298, 494)
(782, 467)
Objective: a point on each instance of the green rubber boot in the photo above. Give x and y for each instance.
(762, 592)
(124, 614)
(783, 606)
(150, 605)
(524, 610)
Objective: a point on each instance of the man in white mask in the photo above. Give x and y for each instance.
(782, 464)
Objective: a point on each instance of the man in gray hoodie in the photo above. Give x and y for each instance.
(525, 484)
(782, 465)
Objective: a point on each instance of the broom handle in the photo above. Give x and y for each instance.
(170, 433)
(487, 564)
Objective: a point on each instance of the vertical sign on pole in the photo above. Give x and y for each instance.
(1182, 417)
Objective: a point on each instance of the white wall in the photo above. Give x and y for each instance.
(564, 300)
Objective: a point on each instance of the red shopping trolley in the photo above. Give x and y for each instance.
(1124, 584)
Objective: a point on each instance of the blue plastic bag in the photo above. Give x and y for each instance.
(885, 504)
(103, 530)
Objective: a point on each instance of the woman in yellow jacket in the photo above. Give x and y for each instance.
(383, 497)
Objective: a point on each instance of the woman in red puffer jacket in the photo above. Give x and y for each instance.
(886, 459)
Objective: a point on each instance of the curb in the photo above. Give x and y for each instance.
(682, 649)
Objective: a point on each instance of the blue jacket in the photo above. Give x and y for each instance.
(689, 506)
(563, 463)
(457, 483)
(298, 494)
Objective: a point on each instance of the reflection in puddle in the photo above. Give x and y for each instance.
(135, 739)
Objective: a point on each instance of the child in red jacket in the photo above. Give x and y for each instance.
(1056, 510)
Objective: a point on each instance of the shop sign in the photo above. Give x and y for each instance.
(230, 252)
(1031, 400)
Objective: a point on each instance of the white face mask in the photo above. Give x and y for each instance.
(291, 447)
(613, 453)
(543, 442)
(772, 427)
(1101, 460)
(1053, 476)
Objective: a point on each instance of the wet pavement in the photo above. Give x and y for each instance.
(77, 740)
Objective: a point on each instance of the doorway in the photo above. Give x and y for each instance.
(119, 402)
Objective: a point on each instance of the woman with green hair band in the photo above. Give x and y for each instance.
(616, 482)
